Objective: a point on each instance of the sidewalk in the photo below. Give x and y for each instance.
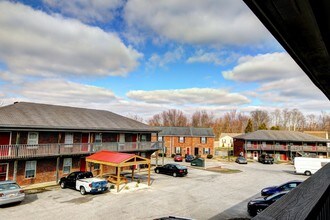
(39, 185)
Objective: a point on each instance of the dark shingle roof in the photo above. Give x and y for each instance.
(274, 135)
(44, 116)
(186, 131)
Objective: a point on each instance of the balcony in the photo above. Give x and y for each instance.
(287, 148)
(45, 150)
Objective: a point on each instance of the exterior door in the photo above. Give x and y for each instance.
(255, 155)
(3, 171)
(84, 142)
(83, 164)
(4, 140)
(188, 150)
(196, 151)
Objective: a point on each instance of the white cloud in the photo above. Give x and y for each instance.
(217, 58)
(279, 81)
(87, 10)
(157, 60)
(33, 42)
(215, 22)
(56, 91)
(193, 96)
(264, 68)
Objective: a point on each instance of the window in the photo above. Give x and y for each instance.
(223, 140)
(98, 139)
(206, 150)
(68, 140)
(178, 150)
(160, 138)
(181, 139)
(143, 138)
(203, 140)
(30, 169)
(67, 165)
(32, 138)
(96, 166)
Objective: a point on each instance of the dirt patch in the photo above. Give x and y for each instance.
(80, 200)
(219, 169)
(35, 191)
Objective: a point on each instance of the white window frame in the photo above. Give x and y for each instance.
(67, 163)
(203, 140)
(206, 150)
(96, 166)
(7, 169)
(178, 150)
(32, 142)
(30, 165)
(160, 138)
(181, 139)
(68, 140)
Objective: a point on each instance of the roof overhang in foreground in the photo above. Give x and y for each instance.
(303, 29)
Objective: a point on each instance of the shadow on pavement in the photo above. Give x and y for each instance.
(236, 212)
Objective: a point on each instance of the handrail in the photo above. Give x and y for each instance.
(310, 200)
(287, 147)
(54, 149)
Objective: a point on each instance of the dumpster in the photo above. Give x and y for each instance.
(198, 162)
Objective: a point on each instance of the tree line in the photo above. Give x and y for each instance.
(238, 122)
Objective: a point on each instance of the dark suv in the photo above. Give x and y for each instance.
(266, 158)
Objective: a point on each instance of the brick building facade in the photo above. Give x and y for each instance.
(41, 143)
(187, 140)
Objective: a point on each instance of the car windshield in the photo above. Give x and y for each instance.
(8, 186)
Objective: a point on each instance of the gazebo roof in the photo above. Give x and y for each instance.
(116, 159)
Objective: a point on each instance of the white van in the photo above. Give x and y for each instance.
(308, 166)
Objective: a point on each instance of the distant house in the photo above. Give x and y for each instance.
(187, 140)
(40, 142)
(226, 139)
(283, 145)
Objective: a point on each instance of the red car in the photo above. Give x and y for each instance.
(178, 158)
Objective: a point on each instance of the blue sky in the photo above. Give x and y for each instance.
(141, 57)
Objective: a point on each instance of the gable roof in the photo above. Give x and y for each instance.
(229, 134)
(274, 135)
(116, 159)
(186, 131)
(25, 115)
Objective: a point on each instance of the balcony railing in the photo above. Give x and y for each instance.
(287, 148)
(44, 150)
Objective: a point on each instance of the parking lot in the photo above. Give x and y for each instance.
(200, 195)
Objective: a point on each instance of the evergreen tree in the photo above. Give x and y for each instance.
(249, 126)
(262, 127)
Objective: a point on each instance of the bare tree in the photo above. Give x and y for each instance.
(259, 117)
(202, 119)
(136, 118)
(172, 117)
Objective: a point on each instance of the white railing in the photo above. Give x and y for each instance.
(43, 150)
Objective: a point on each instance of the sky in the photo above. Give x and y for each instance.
(142, 57)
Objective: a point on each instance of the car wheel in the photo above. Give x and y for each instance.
(82, 190)
(258, 211)
(157, 171)
(308, 173)
(174, 174)
(62, 184)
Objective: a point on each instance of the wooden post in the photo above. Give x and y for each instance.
(157, 152)
(118, 178)
(57, 169)
(133, 168)
(149, 173)
(101, 170)
(15, 170)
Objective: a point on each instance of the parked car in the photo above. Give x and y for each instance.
(241, 160)
(10, 192)
(84, 182)
(178, 158)
(189, 158)
(172, 169)
(266, 158)
(284, 187)
(255, 206)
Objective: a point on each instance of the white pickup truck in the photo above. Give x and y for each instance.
(84, 182)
